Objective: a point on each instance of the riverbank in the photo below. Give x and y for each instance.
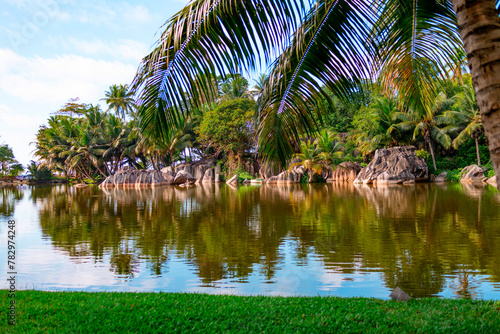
(101, 312)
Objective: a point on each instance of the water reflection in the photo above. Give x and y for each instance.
(415, 236)
(9, 197)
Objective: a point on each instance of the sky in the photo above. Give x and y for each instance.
(55, 50)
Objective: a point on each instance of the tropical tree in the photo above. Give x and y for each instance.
(320, 45)
(330, 147)
(228, 129)
(429, 123)
(8, 163)
(89, 144)
(260, 83)
(468, 122)
(376, 126)
(234, 87)
(120, 99)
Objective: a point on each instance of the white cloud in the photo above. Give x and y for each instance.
(31, 88)
(15, 119)
(137, 13)
(58, 79)
(100, 13)
(123, 49)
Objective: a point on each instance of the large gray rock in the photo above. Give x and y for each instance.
(394, 165)
(291, 176)
(266, 171)
(441, 177)
(211, 175)
(233, 181)
(271, 180)
(492, 181)
(345, 172)
(472, 174)
(197, 168)
(128, 177)
(168, 173)
(183, 176)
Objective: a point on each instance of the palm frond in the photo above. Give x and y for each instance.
(325, 53)
(209, 38)
(415, 40)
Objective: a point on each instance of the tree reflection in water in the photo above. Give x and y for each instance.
(416, 236)
(9, 197)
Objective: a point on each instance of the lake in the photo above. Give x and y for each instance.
(321, 239)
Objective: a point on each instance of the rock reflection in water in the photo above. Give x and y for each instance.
(415, 236)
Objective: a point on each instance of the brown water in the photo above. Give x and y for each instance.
(274, 240)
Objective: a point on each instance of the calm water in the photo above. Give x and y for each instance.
(272, 240)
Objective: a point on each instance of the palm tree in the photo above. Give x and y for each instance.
(320, 45)
(235, 87)
(377, 125)
(260, 83)
(330, 147)
(310, 158)
(468, 122)
(429, 123)
(120, 99)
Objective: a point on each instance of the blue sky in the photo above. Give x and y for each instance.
(54, 50)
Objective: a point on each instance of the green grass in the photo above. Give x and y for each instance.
(83, 312)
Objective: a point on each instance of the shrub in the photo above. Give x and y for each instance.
(454, 175)
(422, 154)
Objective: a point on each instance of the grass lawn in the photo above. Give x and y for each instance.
(104, 312)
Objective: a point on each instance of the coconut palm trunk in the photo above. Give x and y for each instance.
(428, 140)
(479, 26)
(477, 151)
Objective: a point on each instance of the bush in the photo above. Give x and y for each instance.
(489, 173)
(454, 175)
(423, 154)
(243, 175)
(40, 174)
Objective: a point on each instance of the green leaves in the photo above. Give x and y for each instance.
(312, 47)
(417, 42)
(326, 53)
(209, 38)
(228, 128)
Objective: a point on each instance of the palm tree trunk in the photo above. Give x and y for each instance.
(432, 153)
(477, 152)
(479, 26)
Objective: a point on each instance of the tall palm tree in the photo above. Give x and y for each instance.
(430, 124)
(120, 99)
(377, 125)
(321, 45)
(468, 122)
(234, 87)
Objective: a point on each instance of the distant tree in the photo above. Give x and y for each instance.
(468, 123)
(9, 166)
(228, 129)
(380, 125)
(234, 87)
(120, 99)
(38, 172)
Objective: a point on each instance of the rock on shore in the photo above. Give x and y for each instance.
(131, 177)
(345, 172)
(198, 171)
(472, 174)
(394, 165)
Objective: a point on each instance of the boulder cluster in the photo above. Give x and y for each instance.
(184, 174)
(395, 165)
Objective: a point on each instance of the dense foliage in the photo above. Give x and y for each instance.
(82, 141)
(228, 129)
(9, 166)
